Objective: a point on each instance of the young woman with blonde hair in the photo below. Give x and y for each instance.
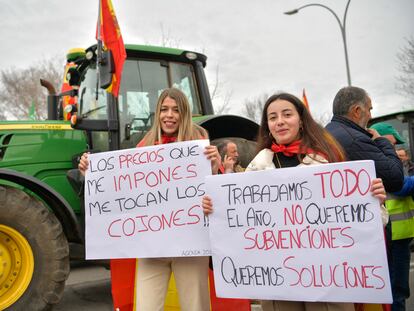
(172, 123)
(184, 129)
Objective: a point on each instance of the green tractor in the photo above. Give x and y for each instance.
(41, 215)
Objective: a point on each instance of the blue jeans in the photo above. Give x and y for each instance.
(399, 255)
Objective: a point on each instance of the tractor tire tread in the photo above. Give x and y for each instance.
(50, 248)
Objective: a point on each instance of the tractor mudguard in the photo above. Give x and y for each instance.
(53, 199)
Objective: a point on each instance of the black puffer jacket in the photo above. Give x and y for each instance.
(358, 145)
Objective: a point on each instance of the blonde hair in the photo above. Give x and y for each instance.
(187, 129)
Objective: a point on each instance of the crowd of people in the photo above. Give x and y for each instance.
(288, 136)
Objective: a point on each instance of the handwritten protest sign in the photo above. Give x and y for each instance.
(309, 234)
(145, 202)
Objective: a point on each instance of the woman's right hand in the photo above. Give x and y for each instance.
(83, 163)
(207, 205)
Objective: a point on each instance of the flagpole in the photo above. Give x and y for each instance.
(342, 27)
(98, 50)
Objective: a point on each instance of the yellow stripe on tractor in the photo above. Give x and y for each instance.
(38, 126)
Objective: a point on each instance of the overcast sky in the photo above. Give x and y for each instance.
(258, 49)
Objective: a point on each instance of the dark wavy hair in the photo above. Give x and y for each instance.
(313, 135)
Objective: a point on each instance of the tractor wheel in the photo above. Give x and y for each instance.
(246, 148)
(34, 253)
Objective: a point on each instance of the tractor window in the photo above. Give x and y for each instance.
(183, 79)
(142, 83)
(90, 107)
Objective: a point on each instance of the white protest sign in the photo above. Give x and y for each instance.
(146, 202)
(311, 233)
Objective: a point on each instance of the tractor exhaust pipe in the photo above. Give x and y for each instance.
(52, 100)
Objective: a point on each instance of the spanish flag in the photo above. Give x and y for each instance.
(305, 100)
(123, 278)
(371, 307)
(109, 33)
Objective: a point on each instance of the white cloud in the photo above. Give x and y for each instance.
(257, 47)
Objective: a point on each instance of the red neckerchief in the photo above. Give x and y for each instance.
(291, 149)
(288, 150)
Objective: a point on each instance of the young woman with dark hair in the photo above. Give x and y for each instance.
(305, 132)
(288, 136)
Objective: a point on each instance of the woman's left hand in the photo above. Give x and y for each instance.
(213, 155)
(207, 205)
(378, 190)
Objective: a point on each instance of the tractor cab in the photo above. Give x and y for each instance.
(121, 123)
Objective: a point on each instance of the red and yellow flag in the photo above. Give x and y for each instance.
(371, 307)
(123, 281)
(110, 34)
(305, 100)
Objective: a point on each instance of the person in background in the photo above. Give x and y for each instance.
(408, 166)
(400, 230)
(172, 123)
(351, 113)
(230, 158)
(288, 137)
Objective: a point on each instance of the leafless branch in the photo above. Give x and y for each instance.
(406, 67)
(20, 88)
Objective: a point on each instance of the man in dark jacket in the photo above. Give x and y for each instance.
(351, 113)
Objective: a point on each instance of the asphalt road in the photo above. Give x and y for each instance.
(89, 289)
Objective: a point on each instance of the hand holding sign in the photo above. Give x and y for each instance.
(316, 230)
(146, 202)
(83, 163)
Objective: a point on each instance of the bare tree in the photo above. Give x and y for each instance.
(20, 88)
(224, 106)
(406, 67)
(253, 108)
(167, 40)
(221, 102)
